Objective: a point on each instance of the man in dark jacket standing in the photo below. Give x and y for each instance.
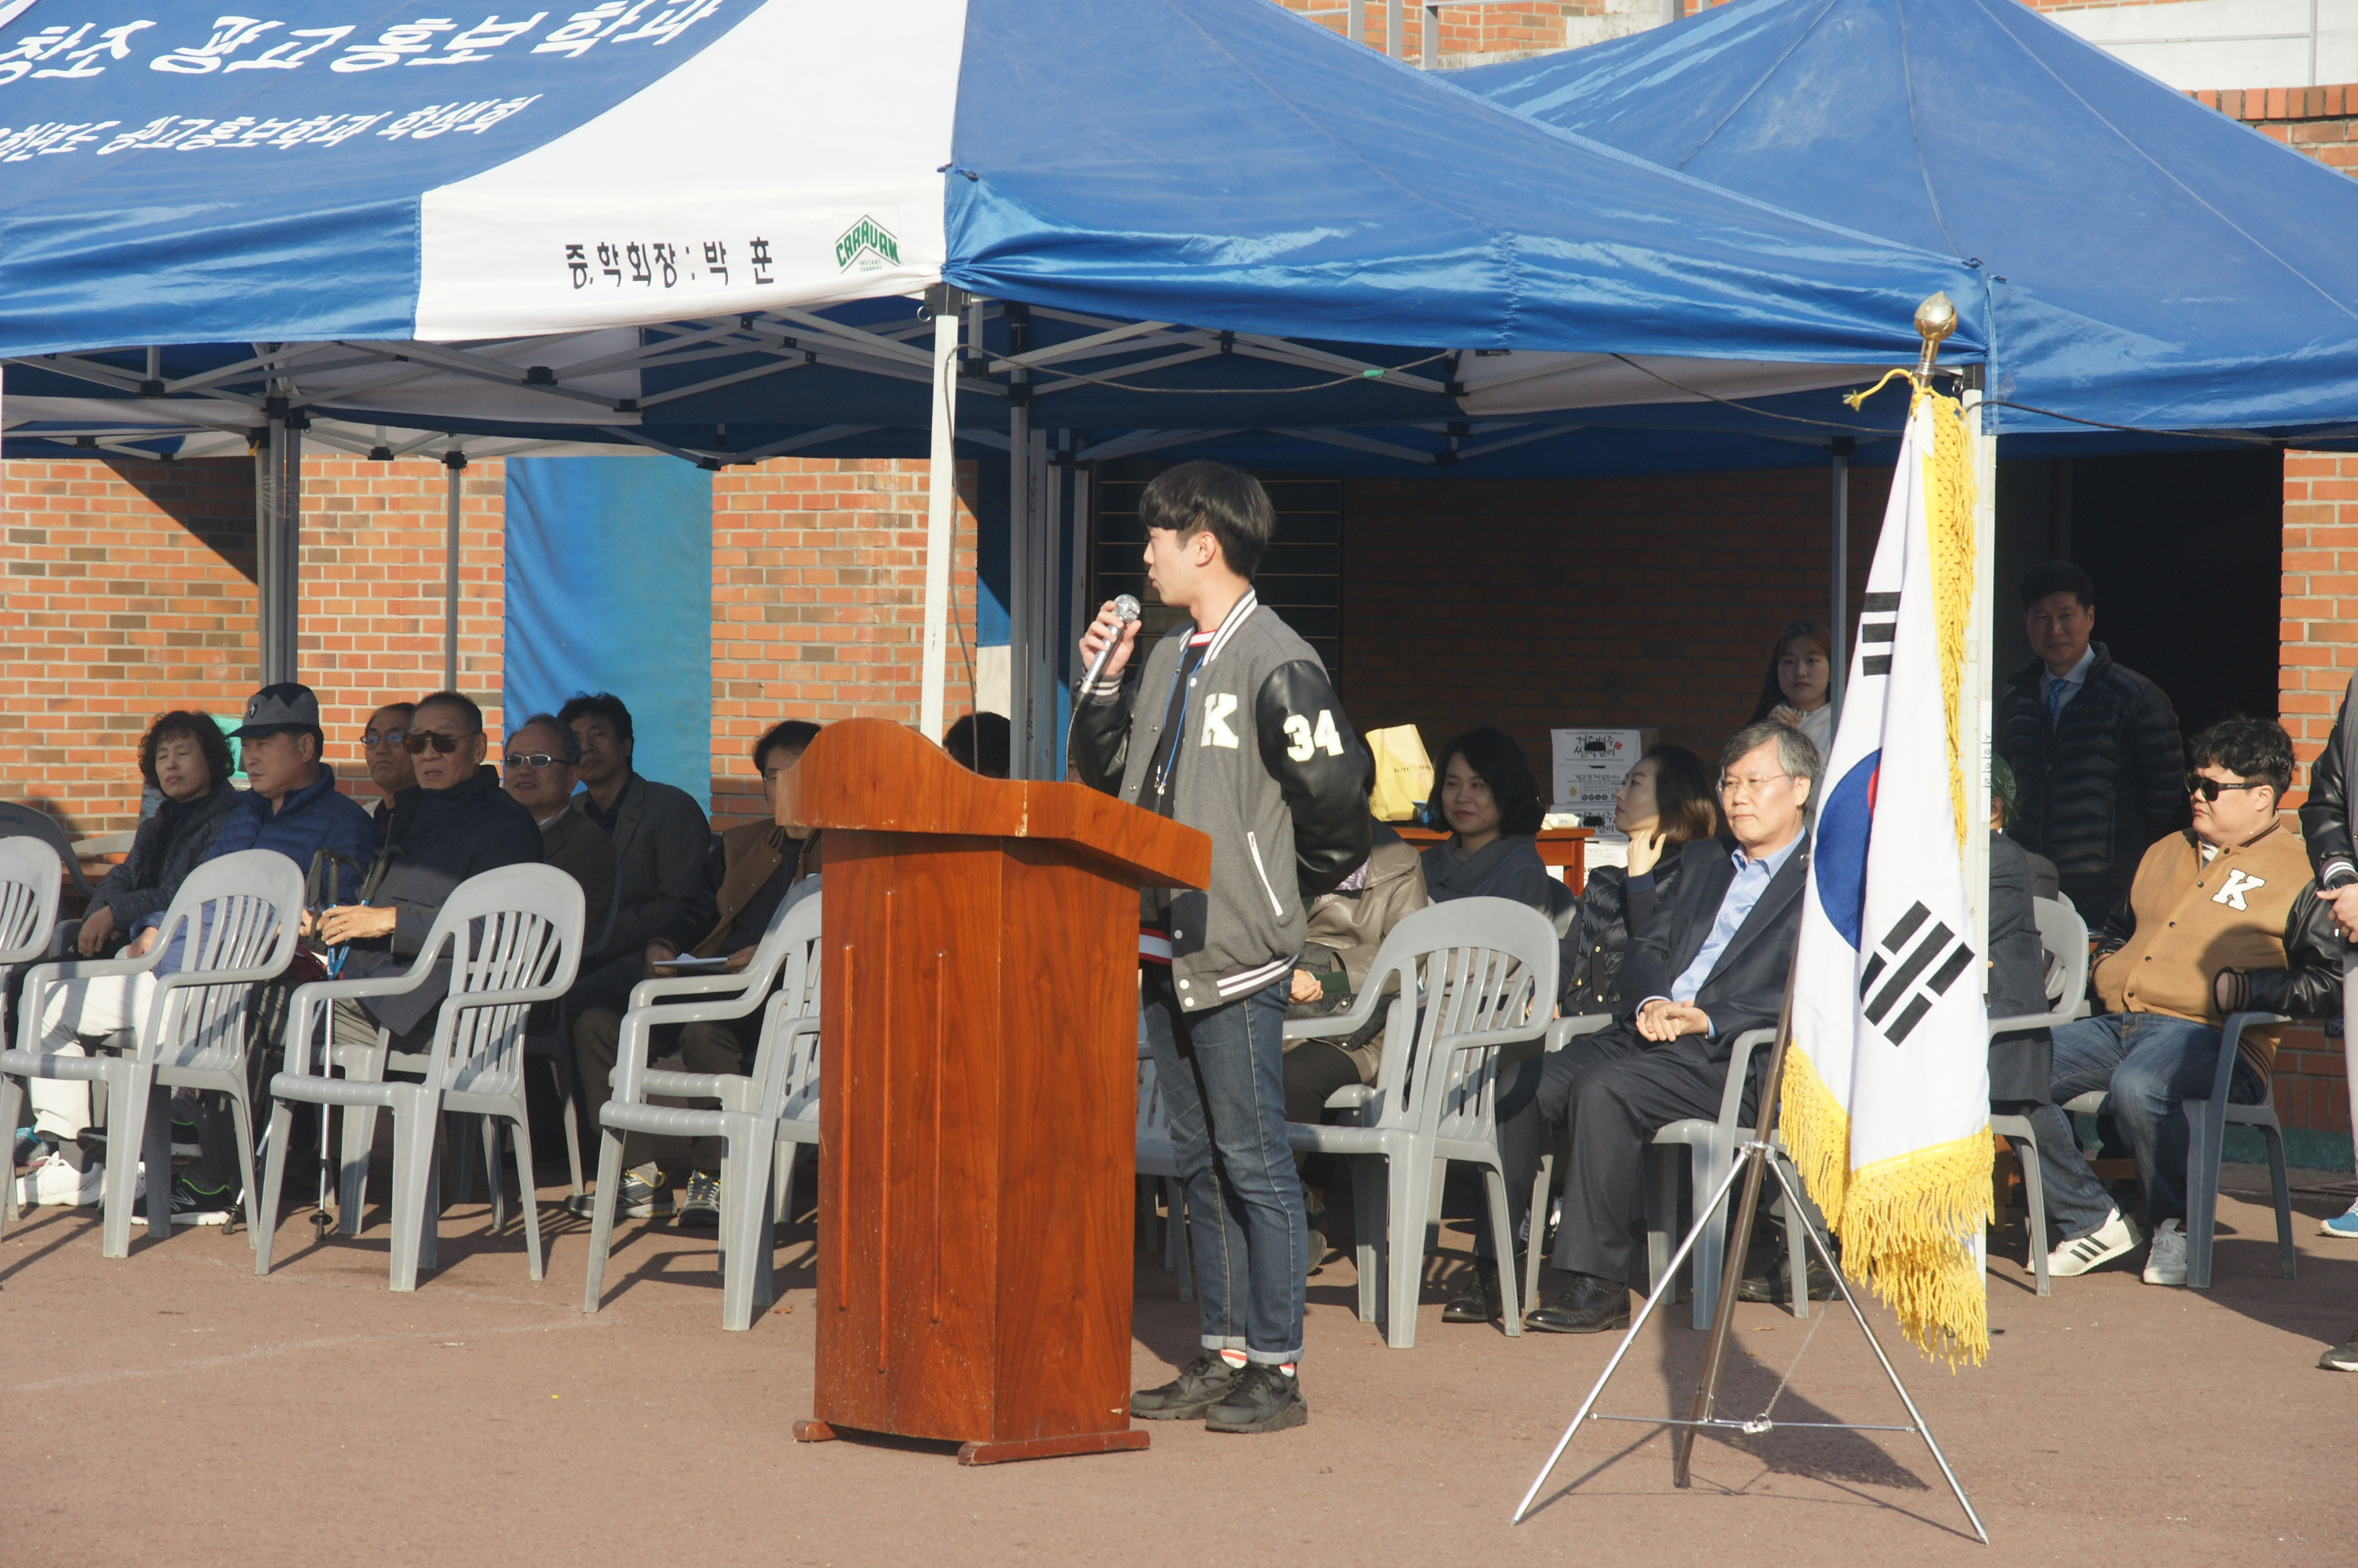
(1233, 729)
(2094, 747)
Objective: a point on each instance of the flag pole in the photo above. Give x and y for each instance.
(1723, 1320)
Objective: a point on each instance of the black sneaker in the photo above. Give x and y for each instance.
(634, 1199)
(1201, 1384)
(191, 1207)
(2342, 1358)
(1262, 1400)
(700, 1209)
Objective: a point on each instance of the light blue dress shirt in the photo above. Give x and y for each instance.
(1752, 880)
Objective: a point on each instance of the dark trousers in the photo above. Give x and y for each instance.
(727, 1046)
(1534, 1105)
(1314, 1069)
(1615, 1110)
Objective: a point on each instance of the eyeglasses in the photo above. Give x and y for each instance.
(1731, 785)
(2208, 788)
(376, 738)
(530, 760)
(417, 740)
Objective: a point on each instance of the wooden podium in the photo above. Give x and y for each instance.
(977, 1119)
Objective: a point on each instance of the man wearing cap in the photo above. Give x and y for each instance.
(294, 809)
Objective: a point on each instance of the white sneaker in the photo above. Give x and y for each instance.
(2115, 1238)
(2166, 1264)
(55, 1182)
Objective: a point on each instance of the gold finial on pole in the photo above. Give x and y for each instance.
(1935, 319)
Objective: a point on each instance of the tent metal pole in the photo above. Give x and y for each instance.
(1082, 608)
(1838, 618)
(1673, 10)
(1395, 33)
(454, 464)
(1973, 716)
(278, 528)
(1022, 614)
(941, 516)
(1049, 479)
(1357, 26)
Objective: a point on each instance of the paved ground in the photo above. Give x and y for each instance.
(172, 1407)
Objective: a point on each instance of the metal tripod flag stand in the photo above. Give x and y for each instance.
(1898, 700)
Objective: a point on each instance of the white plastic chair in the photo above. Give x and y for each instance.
(236, 919)
(31, 887)
(1476, 976)
(512, 938)
(1158, 1160)
(757, 1151)
(31, 822)
(1711, 1148)
(2064, 937)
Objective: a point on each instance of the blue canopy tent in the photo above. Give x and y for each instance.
(2143, 260)
(613, 225)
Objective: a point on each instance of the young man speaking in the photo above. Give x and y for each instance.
(1232, 728)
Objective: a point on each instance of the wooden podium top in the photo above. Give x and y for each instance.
(873, 775)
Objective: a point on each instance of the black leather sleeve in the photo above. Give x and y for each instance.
(1100, 742)
(2325, 819)
(2310, 985)
(2119, 926)
(1319, 760)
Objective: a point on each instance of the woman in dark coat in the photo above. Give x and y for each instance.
(183, 756)
(1486, 795)
(1665, 804)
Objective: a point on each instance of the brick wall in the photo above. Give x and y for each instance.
(129, 590)
(1469, 33)
(126, 590)
(1542, 604)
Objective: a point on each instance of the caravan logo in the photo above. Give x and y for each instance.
(868, 243)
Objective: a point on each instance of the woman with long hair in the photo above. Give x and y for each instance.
(1799, 687)
(1665, 804)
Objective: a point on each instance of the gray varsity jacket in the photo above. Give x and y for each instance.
(1271, 768)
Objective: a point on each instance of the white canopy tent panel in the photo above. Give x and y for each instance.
(836, 194)
(1522, 381)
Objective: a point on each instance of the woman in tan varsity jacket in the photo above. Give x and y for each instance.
(2222, 918)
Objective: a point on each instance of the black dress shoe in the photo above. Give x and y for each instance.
(1477, 1298)
(1776, 1286)
(1583, 1304)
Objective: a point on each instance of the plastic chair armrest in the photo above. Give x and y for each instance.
(647, 992)
(2231, 1034)
(1351, 1097)
(1563, 1032)
(1739, 1068)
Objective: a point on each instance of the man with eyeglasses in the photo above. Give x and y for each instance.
(2222, 918)
(542, 764)
(388, 760)
(1710, 965)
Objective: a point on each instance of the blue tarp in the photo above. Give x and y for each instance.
(609, 588)
(2145, 260)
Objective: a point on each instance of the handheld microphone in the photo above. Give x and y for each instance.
(1125, 611)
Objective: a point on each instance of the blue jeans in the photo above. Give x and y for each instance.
(2150, 1064)
(1222, 1073)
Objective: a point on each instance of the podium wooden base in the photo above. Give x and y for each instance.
(1007, 1453)
(1052, 1447)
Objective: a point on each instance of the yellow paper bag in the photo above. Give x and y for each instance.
(1404, 773)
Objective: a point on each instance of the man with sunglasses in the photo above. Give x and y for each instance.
(454, 823)
(2222, 918)
(541, 765)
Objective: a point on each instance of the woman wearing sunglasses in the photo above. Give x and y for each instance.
(388, 759)
(454, 823)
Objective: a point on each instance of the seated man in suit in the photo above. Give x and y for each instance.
(542, 762)
(748, 873)
(1709, 966)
